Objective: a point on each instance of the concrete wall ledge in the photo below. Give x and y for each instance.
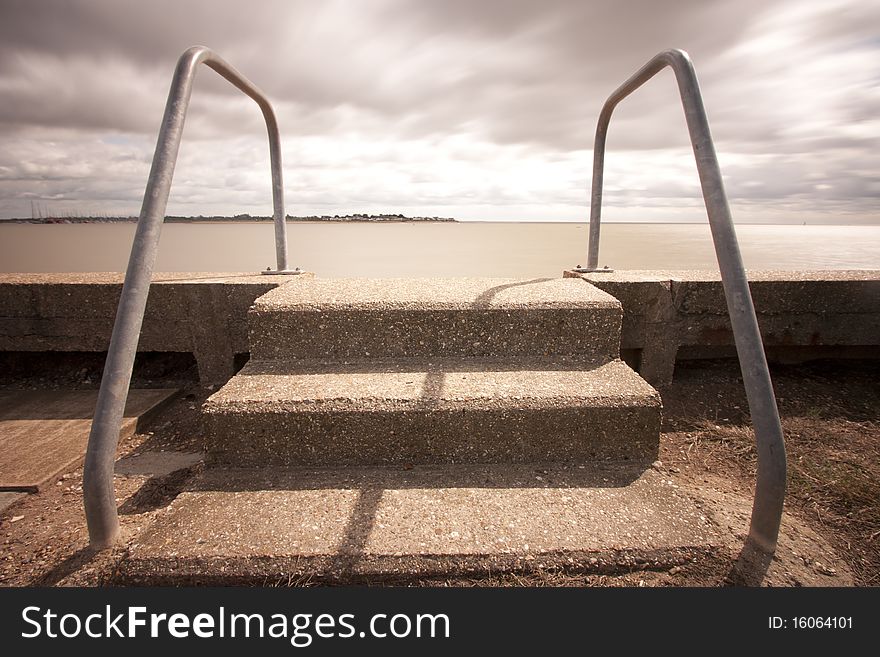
(675, 314)
(203, 313)
(667, 314)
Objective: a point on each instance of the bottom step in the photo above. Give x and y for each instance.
(392, 524)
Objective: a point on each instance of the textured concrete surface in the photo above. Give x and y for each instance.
(649, 319)
(201, 313)
(205, 313)
(432, 294)
(439, 412)
(343, 319)
(802, 315)
(157, 464)
(43, 433)
(258, 526)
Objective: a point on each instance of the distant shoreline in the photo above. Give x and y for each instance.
(399, 218)
(239, 218)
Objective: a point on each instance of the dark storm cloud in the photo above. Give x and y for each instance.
(517, 71)
(138, 31)
(453, 95)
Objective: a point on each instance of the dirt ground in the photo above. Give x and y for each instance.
(831, 417)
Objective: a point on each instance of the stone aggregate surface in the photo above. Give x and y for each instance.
(424, 520)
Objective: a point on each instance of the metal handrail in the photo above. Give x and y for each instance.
(98, 493)
(770, 486)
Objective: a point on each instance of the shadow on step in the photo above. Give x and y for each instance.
(357, 533)
(611, 474)
(484, 300)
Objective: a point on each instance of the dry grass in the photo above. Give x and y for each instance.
(831, 420)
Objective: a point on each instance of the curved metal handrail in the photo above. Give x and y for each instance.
(770, 487)
(98, 493)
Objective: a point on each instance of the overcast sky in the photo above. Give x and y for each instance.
(464, 108)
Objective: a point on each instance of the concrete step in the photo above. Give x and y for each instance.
(427, 318)
(444, 411)
(391, 524)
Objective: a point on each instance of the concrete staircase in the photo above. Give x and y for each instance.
(406, 428)
(379, 372)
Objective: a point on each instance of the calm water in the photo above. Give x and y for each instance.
(433, 249)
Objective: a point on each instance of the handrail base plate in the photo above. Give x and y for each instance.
(283, 272)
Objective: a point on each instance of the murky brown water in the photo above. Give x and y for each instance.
(433, 249)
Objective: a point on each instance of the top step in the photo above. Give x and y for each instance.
(352, 319)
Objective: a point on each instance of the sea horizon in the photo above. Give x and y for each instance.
(382, 249)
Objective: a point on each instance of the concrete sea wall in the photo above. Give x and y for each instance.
(200, 313)
(677, 315)
(668, 315)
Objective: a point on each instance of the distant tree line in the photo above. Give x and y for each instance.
(47, 219)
